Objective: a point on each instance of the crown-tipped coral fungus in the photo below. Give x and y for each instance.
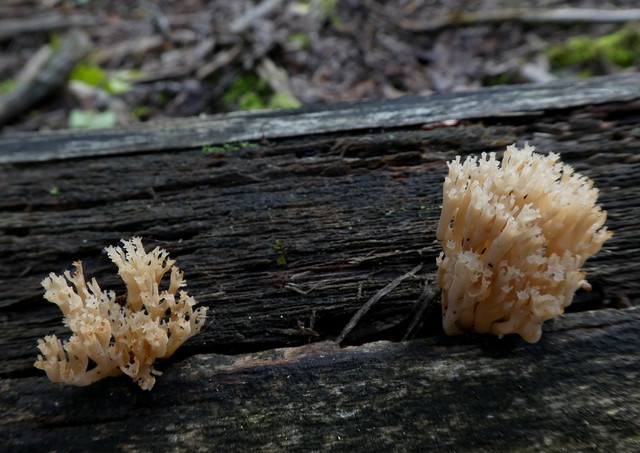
(515, 235)
(114, 335)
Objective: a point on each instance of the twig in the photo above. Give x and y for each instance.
(243, 22)
(137, 46)
(276, 77)
(379, 295)
(308, 331)
(298, 289)
(221, 59)
(526, 16)
(52, 73)
(45, 22)
(427, 296)
(158, 18)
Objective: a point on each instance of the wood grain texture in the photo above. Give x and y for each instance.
(575, 390)
(505, 101)
(348, 209)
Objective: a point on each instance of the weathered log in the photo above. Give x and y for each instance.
(499, 102)
(576, 390)
(285, 230)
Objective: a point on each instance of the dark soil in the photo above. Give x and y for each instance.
(197, 57)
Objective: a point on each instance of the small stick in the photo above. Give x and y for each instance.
(50, 74)
(40, 23)
(526, 16)
(243, 22)
(379, 295)
(428, 293)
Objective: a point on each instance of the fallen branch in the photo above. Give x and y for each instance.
(526, 16)
(371, 302)
(51, 74)
(45, 22)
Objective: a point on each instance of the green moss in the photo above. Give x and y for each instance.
(282, 101)
(329, 11)
(281, 260)
(498, 79)
(249, 92)
(301, 40)
(7, 86)
(243, 93)
(228, 147)
(251, 101)
(117, 83)
(621, 48)
(54, 42)
(142, 112)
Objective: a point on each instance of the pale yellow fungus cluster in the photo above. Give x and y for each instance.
(119, 335)
(515, 235)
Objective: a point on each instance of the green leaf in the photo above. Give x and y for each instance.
(621, 48)
(91, 119)
(301, 40)
(117, 86)
(89, 74)
(119, 82)
(283, 101)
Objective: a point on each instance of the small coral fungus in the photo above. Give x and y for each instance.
(515, 235)
(114, 335)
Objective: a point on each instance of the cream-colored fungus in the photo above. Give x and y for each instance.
(119, 335)
(515, 235)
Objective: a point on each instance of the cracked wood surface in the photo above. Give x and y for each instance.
(290, 233)
(575, 389)
(502, 101)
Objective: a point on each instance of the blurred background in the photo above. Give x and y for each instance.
(94, 64)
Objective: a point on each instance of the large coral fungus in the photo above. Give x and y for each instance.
(515, 235)
(119, 335)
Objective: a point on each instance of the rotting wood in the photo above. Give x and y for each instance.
(348, 225)
(574, 390)
(350, 219)
(503, 102)
(351, 211)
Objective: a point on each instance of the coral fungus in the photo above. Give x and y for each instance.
(114, 335)
(515, 235)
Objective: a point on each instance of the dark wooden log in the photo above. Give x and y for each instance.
(285, 227)
(575, 390)
(499, 102)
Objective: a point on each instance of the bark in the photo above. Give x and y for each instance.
(574, 390)
(285, 234)
(500, 102)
